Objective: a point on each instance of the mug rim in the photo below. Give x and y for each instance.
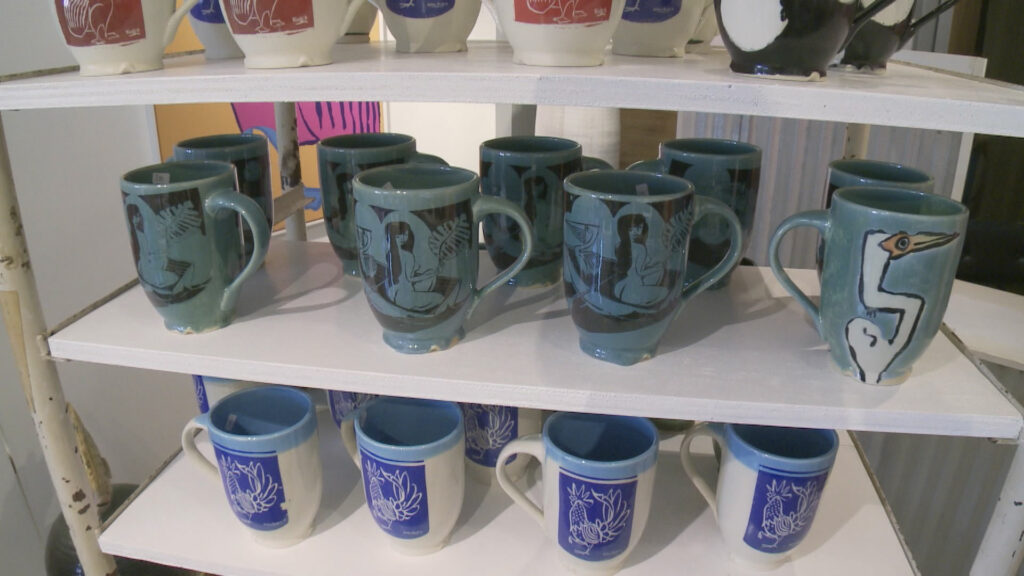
(731, 148)
(604, 469)
(459, 176)
(374, 141)
(287, 437)
(411, 452)
(786, 463)
(573, 185)
(901, 173)
(233, 141)
(217, 169)
(866, 197)
(506, 145)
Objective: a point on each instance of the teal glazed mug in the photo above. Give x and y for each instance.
(891, 255)
(528, 171)
(626, 244)
(251, 157)
(419, 254)
(339, 159)
(183, 222)
(726, 170)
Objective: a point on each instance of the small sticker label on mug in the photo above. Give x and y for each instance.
(161, 178)
(563, 11)
(420, 8)
(268, 16)
(98, 22)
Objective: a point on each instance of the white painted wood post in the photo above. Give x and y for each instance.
(23, 314)
(291, 167)
(1002, 548)
(857, 137)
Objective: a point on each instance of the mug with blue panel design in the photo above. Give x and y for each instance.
(627, 238)
(268, 456)
(658, 28)
(212, 30)
(411, 455)
(210, 390)
(429, 25)
(770, 482)
(488, 429)
(598, 476)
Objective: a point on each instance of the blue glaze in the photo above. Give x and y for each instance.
(420, 8)
(601, 447)
(651, 11)
(344, 405)
(261, 420)
(488, 429)
(408, 429)
(396, 494)
(208, 11)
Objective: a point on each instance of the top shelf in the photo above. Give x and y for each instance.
(906, 96)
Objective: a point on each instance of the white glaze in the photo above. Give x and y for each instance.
(444, 33)
(752, 24)
(660, 39)
(893, 14)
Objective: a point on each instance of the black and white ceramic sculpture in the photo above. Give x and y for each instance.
(880, 37)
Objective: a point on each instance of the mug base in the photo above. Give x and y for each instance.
(192, 328)
(884, 382)
(408, 344)
(431, 48)
(776, 73)
(287, 60)
(273, 540)
(531, 58)
(758, 566)
(351, 268)
(863, 68)
(615, 356)
(649, 51)
(539, 277)
(118, 68)
(407, 548)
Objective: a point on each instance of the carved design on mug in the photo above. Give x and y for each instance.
(734, 187)
(166, 229)
(651, 11)
(344, 403)
(562, 11)
(339, 202)
(783, 509)
(395, 493)
(254, 488)
(420, 8)
(269, 16)
(488, 429)
(596, 516)
(208, 11)
(96, 22)
(870, 349)
(201, 398)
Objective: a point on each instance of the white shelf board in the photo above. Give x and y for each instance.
(906, 96)
(183, 519)
(746, 354)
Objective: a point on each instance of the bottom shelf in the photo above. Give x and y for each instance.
(182, 519)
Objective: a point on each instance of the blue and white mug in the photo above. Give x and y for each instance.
(598, 476)
(411, 455)
(488, 429)
(770, 482)
(268, 456)
(210, 390)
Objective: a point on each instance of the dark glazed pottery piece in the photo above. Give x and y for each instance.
(871, 47)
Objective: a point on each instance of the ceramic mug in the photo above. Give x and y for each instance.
(108, 37)
(770, 482)
(888, 31)
(557, 32)
(797, 38)
(186, 240)
(657, 28)
(429, 25)
(707, 29)
(288, 34)
(210, 390)
(411, 455)
(267, 451)
(212, 30)
(416, 227)
(250, 156)
(598, 476)
(727, 170)
(627, 236)
(891, 255)
(339, 159)
(344, 407)
(528, 171)
(488, 429)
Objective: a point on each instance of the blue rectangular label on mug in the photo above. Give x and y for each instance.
(488, 429)
(595, 517)
(396, 493)
(254, 488)
(783, 509)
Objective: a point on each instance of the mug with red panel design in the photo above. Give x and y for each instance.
(557, 32)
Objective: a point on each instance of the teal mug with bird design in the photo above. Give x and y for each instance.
(416, 233)
(890, 258)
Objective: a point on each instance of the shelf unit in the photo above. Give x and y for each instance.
(764, 364)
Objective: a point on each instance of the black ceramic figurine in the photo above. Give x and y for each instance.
(797, 38)
(880, 37)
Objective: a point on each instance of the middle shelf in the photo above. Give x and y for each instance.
(745, 354)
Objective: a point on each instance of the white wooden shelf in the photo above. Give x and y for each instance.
(747, 354)
(182, 519)
(906, 96)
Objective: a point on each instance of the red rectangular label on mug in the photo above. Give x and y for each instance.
(95, 22)
(268, 16)
(563, 11)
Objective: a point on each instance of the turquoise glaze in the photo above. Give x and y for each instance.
(626, 240)
(416, 229)
(184, 228)
(408, 429)
(890, 258)
(600, 446)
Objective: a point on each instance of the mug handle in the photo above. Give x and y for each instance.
(175, 21)
(531, 445)
(593, 163)
(705, 489)
(816, 219)
(348, 438)
(188, 443)
(862, 18)
(489, 5)
(653, 166)
(484, 205)
(350, 15)
(230, 199)
(705, 206)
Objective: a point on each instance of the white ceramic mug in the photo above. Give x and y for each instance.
(769, 484)
(268, 454)
(598, 476)
(208, 23)
(211, 390)
(107, 37)
(410, 453)
(290, 34)
(557, 32)
(429, 25)
(658, 28)
(707, 29)
(488, 429)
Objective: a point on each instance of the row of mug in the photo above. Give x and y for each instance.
(800, 38)
(631, 246)
(597, 473)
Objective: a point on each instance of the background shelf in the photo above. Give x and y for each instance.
(183, 519)
(906, 96)
(746, 354)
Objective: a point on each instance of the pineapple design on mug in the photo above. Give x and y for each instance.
(395, 494)
(596, 516)
(783, 509)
